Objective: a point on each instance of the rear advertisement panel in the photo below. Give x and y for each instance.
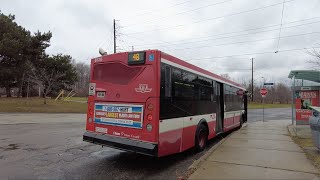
(119, 115)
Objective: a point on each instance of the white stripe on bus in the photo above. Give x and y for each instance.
(182, 122)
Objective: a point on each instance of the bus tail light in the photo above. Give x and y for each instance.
(149, 117)
(90, 112)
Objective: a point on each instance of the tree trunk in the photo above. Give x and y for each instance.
(45, 98)
(8, 91)
(21, 85)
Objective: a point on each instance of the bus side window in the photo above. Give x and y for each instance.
(168, 84)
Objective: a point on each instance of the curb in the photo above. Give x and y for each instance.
(195, 165)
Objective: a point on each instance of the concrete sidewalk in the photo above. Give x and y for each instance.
(257, 151)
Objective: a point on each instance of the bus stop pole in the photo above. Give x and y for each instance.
(293, 94)
(262, 109)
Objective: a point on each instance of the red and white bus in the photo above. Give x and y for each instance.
(152, 103)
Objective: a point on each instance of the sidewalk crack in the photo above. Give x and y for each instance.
(263, 167)
(264, 149)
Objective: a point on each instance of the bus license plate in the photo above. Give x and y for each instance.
(101, 130)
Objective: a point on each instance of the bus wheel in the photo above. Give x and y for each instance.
(201, 138)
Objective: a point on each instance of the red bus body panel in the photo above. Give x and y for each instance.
(168, 136)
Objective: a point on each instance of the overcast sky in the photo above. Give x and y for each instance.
(218, 35)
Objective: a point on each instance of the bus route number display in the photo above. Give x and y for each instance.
(136, 58)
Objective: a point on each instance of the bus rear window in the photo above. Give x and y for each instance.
(115, 73)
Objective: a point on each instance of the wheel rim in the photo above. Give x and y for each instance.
(202, 138)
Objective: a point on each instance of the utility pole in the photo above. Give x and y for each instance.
(252, 80)
(114, 37)
(132, 48)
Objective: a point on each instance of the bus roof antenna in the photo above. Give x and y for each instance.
(102, 52)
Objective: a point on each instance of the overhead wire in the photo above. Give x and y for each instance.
(241, 42)
(280, 24)
(156, 10)
(214, 18)
(250, 54)
(233, 32)
(183, 12)
(226, 37)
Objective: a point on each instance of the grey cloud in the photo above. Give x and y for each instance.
(80, 27)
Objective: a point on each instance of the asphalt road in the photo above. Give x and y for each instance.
(269, 114)
(50, 146)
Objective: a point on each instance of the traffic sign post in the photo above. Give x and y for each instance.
(263, 92)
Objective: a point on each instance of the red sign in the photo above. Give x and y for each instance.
(263, 92)
(305, 99)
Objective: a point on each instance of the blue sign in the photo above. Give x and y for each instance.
(151, 57)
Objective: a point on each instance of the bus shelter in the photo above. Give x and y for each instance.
(305, 93)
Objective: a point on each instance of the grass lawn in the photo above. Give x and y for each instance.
(36, 105)
(78, 99)
(309, 148)
(304, 140)
(259, 106)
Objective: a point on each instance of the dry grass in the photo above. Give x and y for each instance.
(307, 145)
(260, 106)
(310, 150)
(36, 105)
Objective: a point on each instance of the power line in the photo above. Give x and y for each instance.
(214, 18)
(241, 42)
(157, 10)
(280, 25)
(143, 40)
(233, 32)
(225, 37)
(188, 11)
(257, 53)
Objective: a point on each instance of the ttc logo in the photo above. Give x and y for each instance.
(143, 88)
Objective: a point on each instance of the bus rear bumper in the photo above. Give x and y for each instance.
(121, 143)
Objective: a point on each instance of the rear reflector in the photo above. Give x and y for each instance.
(149, 117)
(150, 107)
(149, 127)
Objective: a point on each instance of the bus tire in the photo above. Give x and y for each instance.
(201, 138)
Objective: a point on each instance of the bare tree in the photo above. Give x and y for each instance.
(227, 76)
(53, 72)
(83, 74)
(316, 61)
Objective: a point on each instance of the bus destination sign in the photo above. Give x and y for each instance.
(136, 57)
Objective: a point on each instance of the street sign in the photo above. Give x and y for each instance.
(263, 92)
(268, 84)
